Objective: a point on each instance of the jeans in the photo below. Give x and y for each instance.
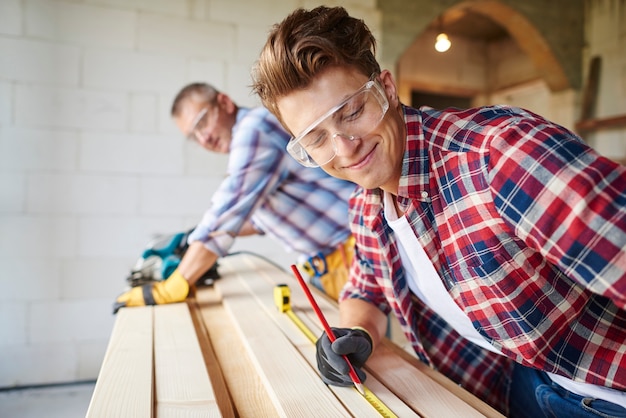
(534, 395)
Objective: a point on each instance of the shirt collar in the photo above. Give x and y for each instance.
(414, 180)
(241, 113)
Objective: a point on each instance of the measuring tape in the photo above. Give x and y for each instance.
(282, 300)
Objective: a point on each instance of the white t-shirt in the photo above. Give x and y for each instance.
(425, 283)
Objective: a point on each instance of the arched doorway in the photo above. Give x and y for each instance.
(497, 56)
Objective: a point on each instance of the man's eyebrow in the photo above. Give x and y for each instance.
(315, 129)
(342, 104)
(335, 109)
(334, 115)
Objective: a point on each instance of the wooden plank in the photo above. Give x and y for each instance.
(422, 388)
(245, 388)
(262, 290)
(589, 125)
(588, 122)
(440, 379)
(163, 361)
(425, 395)
(590, 94)
(354, 401)
(385, 394)
(413, 383)
(124, 385)
(183, 387)
(224, 401)
(261, 285)
(294, 388)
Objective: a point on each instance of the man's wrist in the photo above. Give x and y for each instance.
(366, 333)
(175, 287)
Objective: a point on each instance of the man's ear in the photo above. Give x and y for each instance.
(389, 84)
(225, 103)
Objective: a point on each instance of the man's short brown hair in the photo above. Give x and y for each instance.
(198, 91)
(307, 42)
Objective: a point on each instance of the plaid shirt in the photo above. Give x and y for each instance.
(526, 226)
(305, 209)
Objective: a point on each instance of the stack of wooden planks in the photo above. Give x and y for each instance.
(230, 352)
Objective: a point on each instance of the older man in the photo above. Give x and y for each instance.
(265, 192)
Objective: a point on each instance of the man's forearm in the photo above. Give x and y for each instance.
(196, 261)
(358, 313)
(247, 229)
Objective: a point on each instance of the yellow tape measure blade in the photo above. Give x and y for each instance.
(378, 405)
(282, 300)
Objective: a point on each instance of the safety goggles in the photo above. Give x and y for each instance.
(205, 118)
(355, 117)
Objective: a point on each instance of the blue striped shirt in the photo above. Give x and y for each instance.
(303, 208)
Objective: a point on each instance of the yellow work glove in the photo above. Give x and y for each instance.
(174, 289)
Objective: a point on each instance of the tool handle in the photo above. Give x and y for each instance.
(329, 331)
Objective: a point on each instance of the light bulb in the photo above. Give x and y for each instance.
(443, 43)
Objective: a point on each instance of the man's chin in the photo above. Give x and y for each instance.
(222, 148)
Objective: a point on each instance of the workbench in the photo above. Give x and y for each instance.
(229, 351)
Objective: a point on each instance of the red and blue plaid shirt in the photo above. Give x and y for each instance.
(526, 226)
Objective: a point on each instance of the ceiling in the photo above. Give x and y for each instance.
(472, 25)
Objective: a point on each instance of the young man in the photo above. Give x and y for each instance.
(266, 192)
(496, 237)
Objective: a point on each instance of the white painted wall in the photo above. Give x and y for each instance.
(91, 166)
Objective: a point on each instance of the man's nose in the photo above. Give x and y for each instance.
(204, 138)
(346, 144)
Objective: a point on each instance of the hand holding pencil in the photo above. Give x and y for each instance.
(352, 344)
(339, 350)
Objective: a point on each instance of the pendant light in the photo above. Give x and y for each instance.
(442, 42)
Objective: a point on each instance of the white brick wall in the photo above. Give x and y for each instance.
(121, 236)
(73, 194)
(91, 26)
(39, 61)
(91, 165)
(10, 17)
(143, 112)
(12, 190)
(24, 364)
(31, 236)
(12, 324)
(27, 150)
(130, 153)
(6, 97)
(131, 71)
(63, 321)
(58, 107)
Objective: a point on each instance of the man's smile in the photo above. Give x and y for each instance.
(364, 160)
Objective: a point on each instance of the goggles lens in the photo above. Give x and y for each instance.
(200, 123)
(355, 117)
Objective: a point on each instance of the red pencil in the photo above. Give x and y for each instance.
(329, 332)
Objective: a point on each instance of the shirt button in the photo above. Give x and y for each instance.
(424, 194)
